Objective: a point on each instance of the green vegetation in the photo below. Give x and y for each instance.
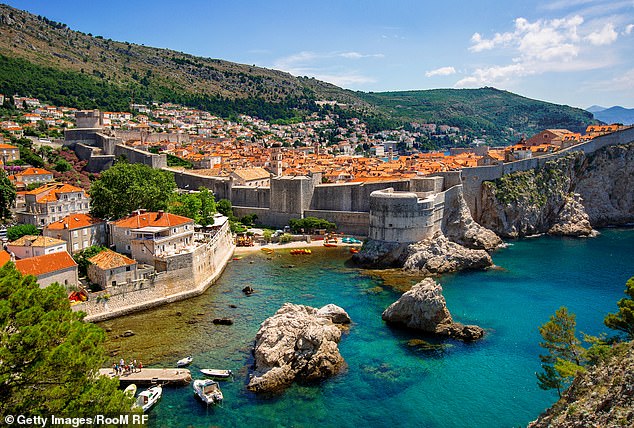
(175, 161)
(50, 357)
(7, 196)
(623, 320)
(563, 359)
(81, 258)
(20, 230)
(126, 187)
(199, 206)
(309, 224)
(501, 115)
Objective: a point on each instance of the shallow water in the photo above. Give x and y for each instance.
(388, 382)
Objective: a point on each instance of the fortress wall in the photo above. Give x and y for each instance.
(100, 163)
(290, 196)
(353, 223)
(350, 196)
(426, 184)
(152, 137)
(264, 216)
(451, 178)
(257, 197)
(83, 151)
(139, 156)
(191, 181)
(402, 216)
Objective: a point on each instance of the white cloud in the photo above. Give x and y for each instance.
(545, 45)
(607, 35)
(442, 71)
(628, 29)
(325, 66)
(357, 55)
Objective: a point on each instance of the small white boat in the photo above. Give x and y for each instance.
(130, 390)
(208, 391)
(219, 374)
(149, 397)
(184, 361)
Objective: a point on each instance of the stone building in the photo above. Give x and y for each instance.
(147, 235)
(49, 268)
(251, 177)
(109, 269)
(8, 153)
(30, 176)
(33, 246)
(53, 202)
(80, 231)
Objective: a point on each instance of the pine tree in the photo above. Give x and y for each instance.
(623, 320)
(563, 359)
(49, 357)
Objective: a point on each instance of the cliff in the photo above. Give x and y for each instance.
(601, 397)
(567, 196)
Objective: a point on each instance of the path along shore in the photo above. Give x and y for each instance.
(289, 246)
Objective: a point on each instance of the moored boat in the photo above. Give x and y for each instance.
(149, 397)
(297, 251)
(184, 361)
(216, 373)
(130, 390)
(208, 391)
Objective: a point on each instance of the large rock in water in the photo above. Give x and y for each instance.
(298, 343)
(438, 255)
(424, 308)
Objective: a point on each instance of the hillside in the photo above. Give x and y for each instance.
(616, 114)
(500, 114)
(45, 59)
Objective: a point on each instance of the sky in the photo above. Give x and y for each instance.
(573, 52)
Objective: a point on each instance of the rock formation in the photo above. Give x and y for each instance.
(569, 195)
(424, 308)
(438, 255)
(459, 226)
(601, 397)
(298, 343)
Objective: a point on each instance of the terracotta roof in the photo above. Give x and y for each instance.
(45, 264)
(74, 221)
(109, 259)
(7, 146)
(248, 174)
(49, 192)
(34, 171)
(36, 241)
(155, 219)
(4, 257)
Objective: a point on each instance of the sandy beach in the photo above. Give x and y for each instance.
(288, 246)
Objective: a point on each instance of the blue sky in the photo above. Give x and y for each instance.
(575, 52)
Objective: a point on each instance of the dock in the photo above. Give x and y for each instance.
(147, 376)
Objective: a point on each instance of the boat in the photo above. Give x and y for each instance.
(184, 361)
(215, 373)
(208, 391)
(130, 390)
(354, 250)
(350, 240)
(149, 397)
(297, 251)
(329, 244)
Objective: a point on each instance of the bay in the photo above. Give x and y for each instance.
(387, 382)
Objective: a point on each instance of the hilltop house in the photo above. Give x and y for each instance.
(147, 235)
(29, 176)
(80, 231)
(33, 246)
(8, 152)
(49, 268)
(555, 137)
(52, 202)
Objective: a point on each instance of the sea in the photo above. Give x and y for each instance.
(394, 377)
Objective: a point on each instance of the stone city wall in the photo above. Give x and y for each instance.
(139, 156)
(353, 223)
(152, 137)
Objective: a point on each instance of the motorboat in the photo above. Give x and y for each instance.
(208, 391)
(216, 373)
(149, 397)
(184, 361)
(130, 390)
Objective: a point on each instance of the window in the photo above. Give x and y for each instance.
(75, 246)
(75, 234)
(127, 232)
(85, 232)
(127, 268)
(127, 247)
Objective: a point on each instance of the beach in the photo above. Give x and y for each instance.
(289, 246)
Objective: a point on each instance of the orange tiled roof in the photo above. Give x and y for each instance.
(74, 221)
(4, 257)
(154, 219)
(36, 241)
(109, 259)
(7, 146)
(45, 264)
(33, 171)
(52, 190)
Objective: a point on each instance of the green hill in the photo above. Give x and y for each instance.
(45, 59)
(488, 111)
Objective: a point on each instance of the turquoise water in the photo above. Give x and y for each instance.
(490, 383)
